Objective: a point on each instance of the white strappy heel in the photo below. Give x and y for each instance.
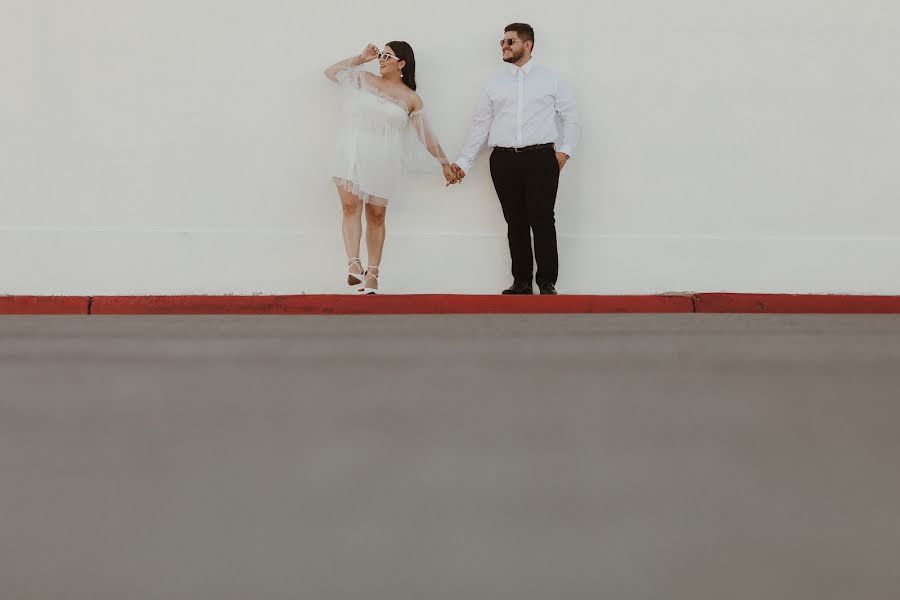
(359, 277)
(367, 291)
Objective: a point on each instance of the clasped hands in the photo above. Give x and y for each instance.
(453, 174)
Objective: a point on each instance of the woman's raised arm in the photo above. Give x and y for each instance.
(369, 53)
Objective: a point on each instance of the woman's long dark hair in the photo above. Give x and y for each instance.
(404, 52)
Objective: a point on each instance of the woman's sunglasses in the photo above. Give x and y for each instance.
(386, 56)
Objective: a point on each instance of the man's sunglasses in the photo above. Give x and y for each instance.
(507, 42)
(386, 56)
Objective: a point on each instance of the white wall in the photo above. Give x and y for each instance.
(151, 146)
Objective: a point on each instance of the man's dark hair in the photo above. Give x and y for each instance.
(525, 31)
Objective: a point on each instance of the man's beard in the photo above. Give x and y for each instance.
(515, 57)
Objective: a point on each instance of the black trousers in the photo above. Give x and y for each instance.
(526, 184)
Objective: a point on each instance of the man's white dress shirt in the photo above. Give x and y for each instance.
(518, 108)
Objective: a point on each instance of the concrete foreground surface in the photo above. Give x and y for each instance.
(450, 457)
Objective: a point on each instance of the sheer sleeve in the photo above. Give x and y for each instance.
(423, 151)
(349, 78)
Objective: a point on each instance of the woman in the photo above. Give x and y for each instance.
(383, 131)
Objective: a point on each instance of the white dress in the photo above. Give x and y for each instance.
(379, 141)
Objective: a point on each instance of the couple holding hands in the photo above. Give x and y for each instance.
(385, 131)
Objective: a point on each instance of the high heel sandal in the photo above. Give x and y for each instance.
(355, 280)
(368, 291)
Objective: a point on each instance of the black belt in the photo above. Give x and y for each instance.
(525, 149)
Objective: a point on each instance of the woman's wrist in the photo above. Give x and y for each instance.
(354, 61)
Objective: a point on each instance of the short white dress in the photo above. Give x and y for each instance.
(379, 141)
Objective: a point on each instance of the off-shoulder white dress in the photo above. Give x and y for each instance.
(379, 141)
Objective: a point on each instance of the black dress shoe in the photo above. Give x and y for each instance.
(547, 289)
(520, 287)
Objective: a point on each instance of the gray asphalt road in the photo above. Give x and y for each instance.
(486, 457)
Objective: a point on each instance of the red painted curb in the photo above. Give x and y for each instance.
(796, 304)
(446, 304)
(386, 304)
(44, 305)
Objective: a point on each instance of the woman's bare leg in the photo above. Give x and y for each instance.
(351, 228)
(375, 232)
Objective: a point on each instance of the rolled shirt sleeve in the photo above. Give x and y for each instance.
(568, 115)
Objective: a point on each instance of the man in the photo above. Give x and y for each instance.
(516, 116)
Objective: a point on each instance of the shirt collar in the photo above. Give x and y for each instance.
(527, 67)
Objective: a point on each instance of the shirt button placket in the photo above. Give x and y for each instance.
(520, 106)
